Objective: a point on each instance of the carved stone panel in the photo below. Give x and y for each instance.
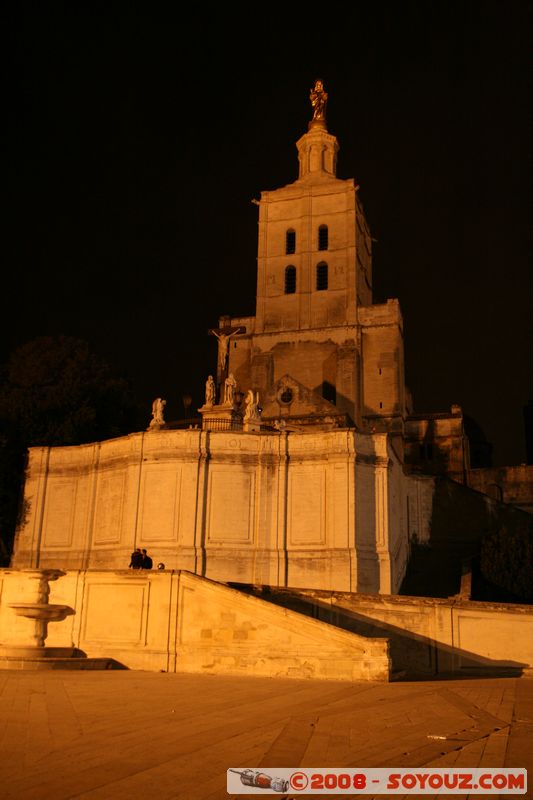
(230, 505)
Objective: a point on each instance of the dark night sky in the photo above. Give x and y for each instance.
(136, 138)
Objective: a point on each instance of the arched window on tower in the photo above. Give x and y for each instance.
(290, 280)
(323, 237)
(290, 241)
(321, 276)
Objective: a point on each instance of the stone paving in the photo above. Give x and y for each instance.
(143, 735)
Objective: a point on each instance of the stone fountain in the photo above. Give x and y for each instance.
(36, 655)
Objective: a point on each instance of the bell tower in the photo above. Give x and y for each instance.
(313, 351)
(314, 249)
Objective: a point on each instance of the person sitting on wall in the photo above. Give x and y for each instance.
(146, 562)
(136, 559)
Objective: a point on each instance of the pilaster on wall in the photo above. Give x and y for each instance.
(382, 528)
(199, 530)
(35, 499)
(87, 529)
(280, 521)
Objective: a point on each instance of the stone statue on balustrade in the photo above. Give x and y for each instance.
(210, 391)
(252, 411)
(158, 420)
(230, 386)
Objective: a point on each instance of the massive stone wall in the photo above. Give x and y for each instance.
(178, 622)
(174, 621)
(324, 510)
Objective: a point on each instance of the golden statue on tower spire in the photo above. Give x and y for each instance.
(319, 98)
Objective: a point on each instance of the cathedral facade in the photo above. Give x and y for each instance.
(308, 467)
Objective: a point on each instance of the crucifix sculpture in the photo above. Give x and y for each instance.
(224, 335)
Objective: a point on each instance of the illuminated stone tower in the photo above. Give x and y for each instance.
(317, 350)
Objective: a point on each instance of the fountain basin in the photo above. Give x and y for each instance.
(45, 612)
(41, 613)
(35, 652)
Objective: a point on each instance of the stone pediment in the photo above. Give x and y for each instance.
(290, 398)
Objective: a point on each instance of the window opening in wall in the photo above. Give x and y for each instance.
(426, 451)
(323, 237)
(290, 280)
(321, 276)
(381, 405)
(286, 396)
(329, 392)
(290, 241)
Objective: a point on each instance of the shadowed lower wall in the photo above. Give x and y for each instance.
(427, 635)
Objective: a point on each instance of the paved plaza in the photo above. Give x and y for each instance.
(142, 735)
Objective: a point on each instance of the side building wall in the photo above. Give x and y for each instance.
(436, 444)
(507, 484)
(383, 362)
(323, 510)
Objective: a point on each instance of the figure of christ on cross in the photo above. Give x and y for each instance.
(224, 335)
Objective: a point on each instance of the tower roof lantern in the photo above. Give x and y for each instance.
(317, 149)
